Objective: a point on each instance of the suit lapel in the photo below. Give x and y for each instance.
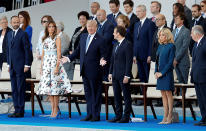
(91, 44)
(15, 37)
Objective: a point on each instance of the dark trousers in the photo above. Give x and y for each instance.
(93, 95)
(201, 91)
(18, 90)
(118, 88)
(143, 70)
(106, 71)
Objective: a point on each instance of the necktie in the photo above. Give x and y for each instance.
(99, 27)
(13, 35)
(87, 43)
(176, 33)
(139, 28)
(195, 22)
(153, 19)
(117, 47)
(114, 16)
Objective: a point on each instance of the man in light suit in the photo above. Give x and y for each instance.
(120, 74)
(114, 7)
(143, 34)
(128, 8)
(198, 71)
(181, 40)
(18, 62)
(91, 50)
(105, 29)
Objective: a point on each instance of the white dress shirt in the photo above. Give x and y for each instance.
(1, 43)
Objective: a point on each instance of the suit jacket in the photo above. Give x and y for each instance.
(198, 71)
(29, 31)
(111, 18)
(143, 44)
(155, 44)
(188, 15)
(89, 61)
(4, 44)
(18, 51)
(121, 60)
(201, 22)
(76, 42)
(182, 42)
(107, 32)
(134, 19)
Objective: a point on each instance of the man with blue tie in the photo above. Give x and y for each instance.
(91, 50)
(105, 29)
(198, 71)
(18, 63)
(120, 74)
(182, 40)
(143, 36)
(114, 7)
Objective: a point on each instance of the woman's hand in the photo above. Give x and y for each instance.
(56, 71)
(158, 75)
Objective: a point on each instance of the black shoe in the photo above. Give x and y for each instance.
(123, 120)
(140, 103)
(95, 119)
(178, 104)
(114, 120)
(19, 115)
(12, 115)
(200, 123)
(88, 118)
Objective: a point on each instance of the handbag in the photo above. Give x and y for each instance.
(175, 116)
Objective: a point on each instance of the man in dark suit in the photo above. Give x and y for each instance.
(143, 34)
(94, 8)
(198, 20)
(160, 21)
(18, 62)
(114, 7)
(105, 29)
(91, 50)
(187, 11)
(128, 8)
(155, 9)
(120, 74)
(198, 71)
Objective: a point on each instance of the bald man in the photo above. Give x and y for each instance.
(91, 50)
(105, 29)
(94, 8)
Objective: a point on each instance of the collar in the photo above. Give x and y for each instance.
(60, 33)
(143, 20)
(200, 40)
(130, 15)
(161, 27)
(179, 28)
(92, 35)
(102, 23)
(16, 30)
(198, 18)
(116, 14)
(21, 25)
(120, 41)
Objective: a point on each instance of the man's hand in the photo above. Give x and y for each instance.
(175, 63)
(103, 62)
(125, 80)
(134, 60)
(26, 69)
(110, 77)
(148, 59)
(70, 52)
(64, 59)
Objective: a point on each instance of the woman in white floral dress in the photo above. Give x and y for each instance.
(54, 80)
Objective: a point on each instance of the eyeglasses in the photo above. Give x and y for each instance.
(44, 21)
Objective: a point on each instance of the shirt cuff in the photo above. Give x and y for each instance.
(27, 66)
(68, 59)
(127, 77)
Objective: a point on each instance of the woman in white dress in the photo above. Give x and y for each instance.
(54, 80)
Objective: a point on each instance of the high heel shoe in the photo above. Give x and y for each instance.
(56, 117)
(169, 122)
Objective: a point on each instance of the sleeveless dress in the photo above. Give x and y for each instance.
(51, 84)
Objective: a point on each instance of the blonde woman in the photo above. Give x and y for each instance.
(164, 72)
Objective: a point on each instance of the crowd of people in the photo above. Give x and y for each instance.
(106, 46)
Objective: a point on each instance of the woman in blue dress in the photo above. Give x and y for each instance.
(164, 72)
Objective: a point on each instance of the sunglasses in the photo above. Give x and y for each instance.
(44, 21)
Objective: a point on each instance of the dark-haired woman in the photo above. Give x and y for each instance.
(54, 80)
